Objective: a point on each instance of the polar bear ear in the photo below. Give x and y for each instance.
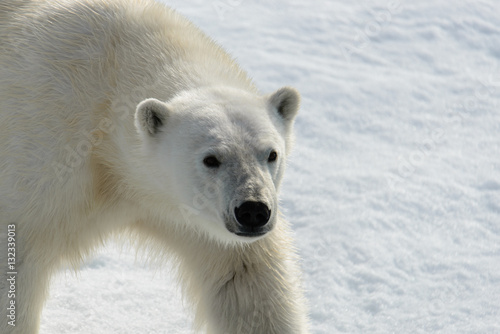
(286, 102)
(150, 116)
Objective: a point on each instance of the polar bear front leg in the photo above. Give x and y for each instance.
(23, 292)
(249, 289)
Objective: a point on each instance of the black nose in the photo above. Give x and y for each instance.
(252, 214)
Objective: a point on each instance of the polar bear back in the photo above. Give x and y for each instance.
(109, 46)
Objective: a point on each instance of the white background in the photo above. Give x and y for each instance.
(394, 185)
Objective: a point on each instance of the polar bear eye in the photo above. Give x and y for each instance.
(211, 162)
(272, 156)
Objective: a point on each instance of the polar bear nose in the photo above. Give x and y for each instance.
(252, 214)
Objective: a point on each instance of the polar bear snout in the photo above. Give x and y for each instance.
(252, 219)
(252, 214)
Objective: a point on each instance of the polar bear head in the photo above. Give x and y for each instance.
(219, 155)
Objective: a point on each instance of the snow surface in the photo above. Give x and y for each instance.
(394, 185)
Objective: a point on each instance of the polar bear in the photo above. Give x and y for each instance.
(122, 117)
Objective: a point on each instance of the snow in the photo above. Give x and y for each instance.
(393, 189)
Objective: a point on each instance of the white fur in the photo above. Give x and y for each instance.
(107, 110)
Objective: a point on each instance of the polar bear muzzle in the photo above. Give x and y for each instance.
(252, 217)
